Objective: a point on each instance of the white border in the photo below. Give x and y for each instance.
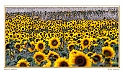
(60, 70)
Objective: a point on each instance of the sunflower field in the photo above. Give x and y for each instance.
(61, 39)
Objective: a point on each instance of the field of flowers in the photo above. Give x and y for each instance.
(34, 42)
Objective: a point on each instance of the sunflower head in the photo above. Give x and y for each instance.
(106, 43)
(85, 42)
(93, 40)
(54, 43)
(71, 46)
(39, 57)
(32, 47)
(96, 58)
(80, 60)
(40, 46)
(53, 56)
(62, 62)
(108, 52)
(18, 47)
(112, 42)
(22, 63)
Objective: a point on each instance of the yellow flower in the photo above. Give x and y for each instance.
(54, 56)
(18, 47)
(22, 63)
(10, 35)
(36, 40)
(96, 58)
(40, 46)
(108, 52)
(113, 42)
(106, 43)
(85, 43)
(39, 57)
(93, 40)
(22, 28)
(80, 60)
(32, 48)
(71, 46)
(62, 62)
(54, 43)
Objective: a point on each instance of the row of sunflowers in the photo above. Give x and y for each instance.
(60, 43)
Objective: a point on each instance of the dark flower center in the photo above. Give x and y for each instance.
(112, 44)
(39, 58)
(71, 47)
(90, 54)
(106, 44)
(17, 46)
(55, 56)
(23, 65)
(10, 35)
(78, 41)
(96, 58)
(107, 53)
(40, 45)
(91, 32)
(71, 34)
(63, 64)
(22, 28)
(86, 42)
(54, 42)
(94, 41)
(37, 40)
(80, 61)
(7, 46)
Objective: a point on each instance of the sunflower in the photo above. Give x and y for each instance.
(62, 62)
(80, 60)
(48, 64)
(22, 63)
(105, 38)
(52, 56)
(39, 57)
(71, 46)
(96, 58)
(32, 48)
(7, 45)
(112, 42)
(85, 43)
(106, 43)
(78, 41)
(93, 40)
(10, 36)
(22, 28)
(54, 43)
(40, 46)
(108, 52)
(18, 47)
